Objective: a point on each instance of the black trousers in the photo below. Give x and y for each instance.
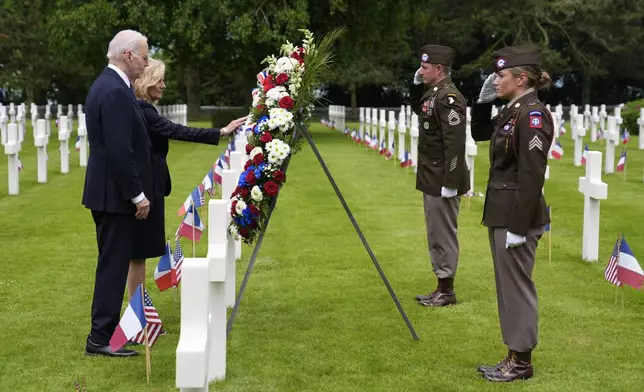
(114, 236)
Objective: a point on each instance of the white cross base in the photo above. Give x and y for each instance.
(594, 190)
(11, 149)
(229, 179)
(40, 141)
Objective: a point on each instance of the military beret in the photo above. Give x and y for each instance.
(515, 56)
(436, 54)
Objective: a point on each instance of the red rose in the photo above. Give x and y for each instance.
(244, 192)
(248, 164)
(253, 210)
(271, 188)
(279, 176)
(249, 148)
(268, 83)
(286, 102)
(252, 225)
(233, 208)
(281, 78)
(243, 232)
(259, 158)
(266, 137)
(260, 107)
(250, 178)
(236, 191)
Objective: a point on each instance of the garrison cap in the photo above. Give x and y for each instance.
(515, 56)
(436, 54)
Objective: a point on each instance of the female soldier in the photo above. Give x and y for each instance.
(515, 210)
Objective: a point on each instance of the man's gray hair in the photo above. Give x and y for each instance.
(123, 41)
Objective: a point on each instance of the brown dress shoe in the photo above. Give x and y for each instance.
(517, 367)
(493, 368)
(427, 297)
(440, 299)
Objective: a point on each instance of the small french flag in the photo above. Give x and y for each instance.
(557, 151)
(622, 162)
(584, 155)
(191, 227)
(132, 322)
(406, 160)
(196, 197)
(163, 275)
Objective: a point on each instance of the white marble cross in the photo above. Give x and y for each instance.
(361, 128)
(579, 133)
(408, 109)
(11, 149)
(48, 118)
(59, 112)
(82, 134)
(573, 120)
(612, 139)
(34, 117)
(620, 120)
(367, 124)
(63, 137)
(12, 113)
(471, 149)
(640, 122)
(594, 190)
(594, 120)
(40, 142)
(20, 120)
(602, 117)
(413, 133)
(374, 123)
(392, 130)
(402, 130)
(3, 125)
(383, 128)
(586, 117)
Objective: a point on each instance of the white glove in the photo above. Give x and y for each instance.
(418, 78)
(448, 192)
(512, 240)
(488, 91)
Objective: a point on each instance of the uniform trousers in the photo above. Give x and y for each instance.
(515, 290)
(441, 219)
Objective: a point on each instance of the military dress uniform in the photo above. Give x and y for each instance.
(520, 137)
(441, 164)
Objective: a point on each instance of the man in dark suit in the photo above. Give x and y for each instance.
(118, 181)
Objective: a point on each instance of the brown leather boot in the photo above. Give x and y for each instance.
(517, 367)
(445, 295)
(427, 297)
(493, 368)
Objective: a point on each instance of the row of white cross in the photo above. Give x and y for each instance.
(208, 288)
(12, 135)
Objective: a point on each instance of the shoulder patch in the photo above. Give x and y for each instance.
(535, 121)
(535, 113)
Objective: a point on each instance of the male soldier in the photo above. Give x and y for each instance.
(442, 173)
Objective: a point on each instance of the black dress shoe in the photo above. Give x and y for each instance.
(440, 299)
(94, 349)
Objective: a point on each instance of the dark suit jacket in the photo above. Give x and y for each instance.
(119, 167)
(161, 130)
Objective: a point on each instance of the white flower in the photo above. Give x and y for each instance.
(239, 208)
(234, 232)
(256, 194)
(277, 151)
(255, 151)
(256, 100)
(285, 64)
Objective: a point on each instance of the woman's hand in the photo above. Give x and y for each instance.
(232, 126)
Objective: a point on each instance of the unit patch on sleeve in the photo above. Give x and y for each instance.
(453, 118)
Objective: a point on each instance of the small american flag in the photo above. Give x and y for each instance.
(611, 269)
(178, 260)
(154, 324)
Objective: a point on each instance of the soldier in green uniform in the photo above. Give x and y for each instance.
(515, 210)
(442, 174)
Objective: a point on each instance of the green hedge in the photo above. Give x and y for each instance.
(630, 114)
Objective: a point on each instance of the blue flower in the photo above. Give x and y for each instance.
(258, 174)
(246, 212)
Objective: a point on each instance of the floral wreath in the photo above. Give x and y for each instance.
(282, 103)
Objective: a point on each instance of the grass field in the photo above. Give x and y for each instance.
(316, 316)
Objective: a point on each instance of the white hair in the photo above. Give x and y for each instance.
(123, 41)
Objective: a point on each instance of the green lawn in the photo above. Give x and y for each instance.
(315, 316)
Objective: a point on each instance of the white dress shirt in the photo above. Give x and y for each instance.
(127, 83)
